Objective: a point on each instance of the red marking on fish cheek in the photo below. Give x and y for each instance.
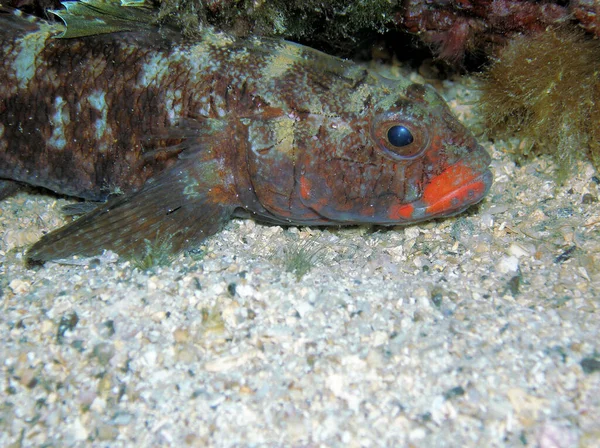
(399, 212)
(305, 187)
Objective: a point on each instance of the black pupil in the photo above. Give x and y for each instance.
(399, 136)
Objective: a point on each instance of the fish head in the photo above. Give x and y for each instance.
(406, 161)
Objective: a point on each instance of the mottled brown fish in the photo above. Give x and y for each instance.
(181, 136)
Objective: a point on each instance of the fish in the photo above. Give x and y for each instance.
(174, 136)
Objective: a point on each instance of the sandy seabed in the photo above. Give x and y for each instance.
(477, 330)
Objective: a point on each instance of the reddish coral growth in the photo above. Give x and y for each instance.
(452, 43)
(588, 13)
(454, 27)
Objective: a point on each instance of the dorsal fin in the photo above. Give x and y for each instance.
(92, 17)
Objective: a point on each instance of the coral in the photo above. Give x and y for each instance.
(331, 24)
(588, 13)
(457, 27)
(545, 88)
(453, 29)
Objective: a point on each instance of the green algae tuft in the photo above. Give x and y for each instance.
(545, 89)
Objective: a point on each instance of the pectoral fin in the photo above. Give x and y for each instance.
(179, 207)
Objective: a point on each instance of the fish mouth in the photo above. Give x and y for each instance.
(458, 200)
(456, 188)
(461, 185)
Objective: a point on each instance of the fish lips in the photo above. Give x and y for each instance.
(455, 189)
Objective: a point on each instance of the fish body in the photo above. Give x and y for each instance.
(182, 135)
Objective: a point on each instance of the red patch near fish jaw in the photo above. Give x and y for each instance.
(452, 188)
(401, 212)
(305, 187)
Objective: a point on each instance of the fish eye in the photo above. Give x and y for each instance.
(402, 133)
(399, 136)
